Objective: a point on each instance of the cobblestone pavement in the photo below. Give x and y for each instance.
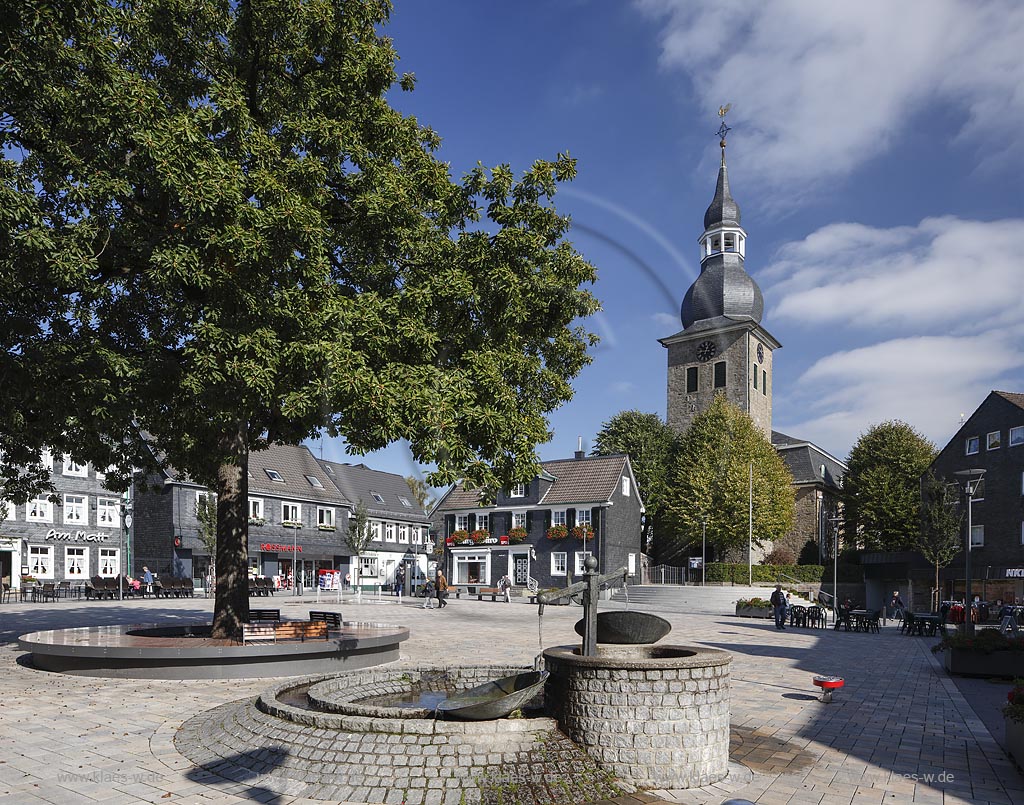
(898, 732)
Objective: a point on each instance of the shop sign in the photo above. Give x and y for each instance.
(1015, 572)
(76, 536)
(273, 547)
(503, 540)
(467, 542)
(9, 544)
(449, 541)
(491, 541)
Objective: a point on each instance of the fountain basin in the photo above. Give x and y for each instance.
(628, 627)
(657, 716)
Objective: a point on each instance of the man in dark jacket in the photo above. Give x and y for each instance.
(778, 601)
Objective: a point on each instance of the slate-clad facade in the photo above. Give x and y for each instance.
(600, 490)
(991, 439)
(299, 510)
(72, 537)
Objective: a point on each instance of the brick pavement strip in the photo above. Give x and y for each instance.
(898, 719)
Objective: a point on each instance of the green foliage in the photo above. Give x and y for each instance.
(557, 532)
(1014, 707)
(983, 641)
(737, 573)
(360, 534)
(206, 514)
(214, 229)
(421, 491)
(709, 480)
(881, 489)
(779, 556)
(939, 538)
(650, 443)
(753, 603)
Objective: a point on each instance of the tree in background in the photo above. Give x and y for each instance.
(940, 536)
(215, 230)
(709, 481)
(422, 491)
(649, 443)
(882, 487)
(359, 537)
(206, 514)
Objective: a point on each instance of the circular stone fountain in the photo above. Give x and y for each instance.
(655, 715)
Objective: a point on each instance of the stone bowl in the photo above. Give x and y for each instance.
(625, 627)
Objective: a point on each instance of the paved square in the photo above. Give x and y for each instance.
(898, 732)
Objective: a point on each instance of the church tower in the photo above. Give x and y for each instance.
(722, 348)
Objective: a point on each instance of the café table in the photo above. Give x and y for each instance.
(926, 621)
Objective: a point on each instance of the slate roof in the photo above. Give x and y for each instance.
(1012, 397)
(293, 463)
(357, 483)
(808, 463)
(723, 208)
(592, 479)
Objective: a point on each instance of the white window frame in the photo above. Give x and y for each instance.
(40, 561)
(558, 517)
(462, 522)
(967, 445)
(291, 509)
(460, 559)
(75, 470)
(315, 482)
(581, 557)
(101, 475)
(977, 536)
(377, 496)
(109, 563)
(76, 509)
(1016, 436)
(204, 494)
(46, 459)
(631, 564)
(108, 512)
(274, 476)
(483, 521)
(325, 516)
(76, 556)
(389, 532)
(10, 511)
(375, 530)
(404, 501)
(517, 491)
(625, 486)
(403, 533)
(519, 519)
(256, 509)
(558, 563)
(367, 569)
(584, 517)
(39, 510)
(994, 443)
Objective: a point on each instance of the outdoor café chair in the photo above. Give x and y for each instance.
(5, 594)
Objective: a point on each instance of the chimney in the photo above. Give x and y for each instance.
(579, 449)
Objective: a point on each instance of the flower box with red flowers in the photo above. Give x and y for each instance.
(557, 532)
(517, 535)
(480, 536)
(583, 531)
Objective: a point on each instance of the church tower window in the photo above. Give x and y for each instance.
(730, 242)
(764, 382)
(720, 375)
(691, 380)
(755, 375)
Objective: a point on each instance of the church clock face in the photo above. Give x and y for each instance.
(760, 353)
(706, 351)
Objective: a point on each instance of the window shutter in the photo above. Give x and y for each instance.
(547, 519)
(449, 524)
(570, 518)
(471, 522)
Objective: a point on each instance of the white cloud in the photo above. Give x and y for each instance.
(946, 274)
(927, 381)
(622, 387)
(667, 320)
(819, 88)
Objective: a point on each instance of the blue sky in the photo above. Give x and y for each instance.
(877, 156)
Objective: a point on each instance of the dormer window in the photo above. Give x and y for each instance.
(404, 501)
(274, 476)
(517, 491)
(314, 482)
(376, 496)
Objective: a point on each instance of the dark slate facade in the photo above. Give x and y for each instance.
(601, 488)
(992, 439)
(68, 535)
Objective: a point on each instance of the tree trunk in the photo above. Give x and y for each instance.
(231, 605)
(937, 596)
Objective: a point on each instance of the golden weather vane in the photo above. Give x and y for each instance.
(723, 129)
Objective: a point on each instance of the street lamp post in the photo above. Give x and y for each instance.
(969, 482)
(703, 550)
(835, 521)
(295, 562)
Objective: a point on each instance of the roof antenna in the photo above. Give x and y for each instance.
(963, 418)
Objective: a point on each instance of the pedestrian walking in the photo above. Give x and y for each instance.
(505, 585)
(778, 602)
(441, 586)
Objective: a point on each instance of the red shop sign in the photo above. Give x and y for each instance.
(274, 547)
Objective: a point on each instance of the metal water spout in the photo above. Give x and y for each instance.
(590, 587)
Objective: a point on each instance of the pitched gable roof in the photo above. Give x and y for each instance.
(358, 483)
(807, 462)
(592, 479)
(1012, 397)
(293, 463)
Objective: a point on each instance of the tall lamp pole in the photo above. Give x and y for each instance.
(969, 482)
(703, 550)
(835, 521)
(750, 527)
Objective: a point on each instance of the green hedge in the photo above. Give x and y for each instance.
(737, 574)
